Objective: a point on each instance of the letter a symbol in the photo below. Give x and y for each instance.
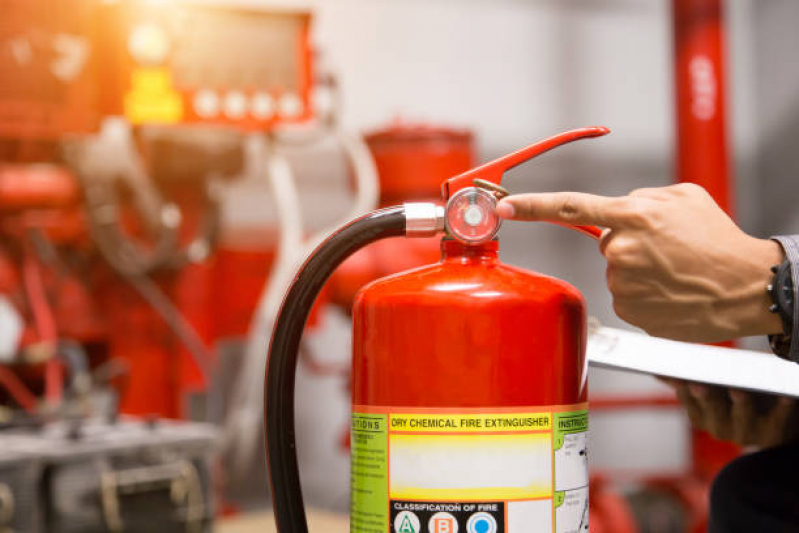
(406, 526)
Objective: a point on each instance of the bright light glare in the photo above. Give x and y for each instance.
(148, 44)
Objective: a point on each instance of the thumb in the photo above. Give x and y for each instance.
(567, 208)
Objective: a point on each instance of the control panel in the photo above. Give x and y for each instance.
(187, 63)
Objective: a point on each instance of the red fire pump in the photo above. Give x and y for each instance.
(469, 407)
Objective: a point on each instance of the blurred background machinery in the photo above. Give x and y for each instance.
(121, 125)
(118, 154)
(22, 507)
(110, 475)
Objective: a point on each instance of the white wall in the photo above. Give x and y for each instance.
(777, 91)
(513, 70)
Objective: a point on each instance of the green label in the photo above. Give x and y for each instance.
(566, 423)
(558, 499)
(369, 474)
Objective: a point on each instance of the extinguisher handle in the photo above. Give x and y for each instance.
(494, 170)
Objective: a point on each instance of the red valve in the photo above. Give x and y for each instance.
(495, 170)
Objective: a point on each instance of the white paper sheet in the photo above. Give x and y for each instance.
(740, 369)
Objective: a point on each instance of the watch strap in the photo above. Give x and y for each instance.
(787, 345)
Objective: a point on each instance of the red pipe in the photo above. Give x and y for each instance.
(700, 75)
(17, 389)
(701, 157)
(45, 324)
(702, 149)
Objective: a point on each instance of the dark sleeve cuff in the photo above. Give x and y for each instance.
(788, 345)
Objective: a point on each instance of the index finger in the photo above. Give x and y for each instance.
(568, 208)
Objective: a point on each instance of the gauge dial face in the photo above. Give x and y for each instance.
(472, 216)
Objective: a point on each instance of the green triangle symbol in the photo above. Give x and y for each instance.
(406, 526)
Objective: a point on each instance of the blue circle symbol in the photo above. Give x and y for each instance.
(481, 523)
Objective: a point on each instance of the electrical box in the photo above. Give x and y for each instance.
(64, 64)
(188, 63)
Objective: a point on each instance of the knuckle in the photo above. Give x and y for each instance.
(619, 250)
(613, 284)
(608, 235)
(640, 212)
(643, 192)
(570, 207)
(613, 250)
(689, 189)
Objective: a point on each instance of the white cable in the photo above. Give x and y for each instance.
(366, 179)
(245, 416)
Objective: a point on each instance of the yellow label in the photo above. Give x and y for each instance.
(474, 423)
(152, 98)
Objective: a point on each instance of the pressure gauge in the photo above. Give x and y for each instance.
(472, 216)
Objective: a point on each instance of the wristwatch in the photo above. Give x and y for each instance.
(782, 295)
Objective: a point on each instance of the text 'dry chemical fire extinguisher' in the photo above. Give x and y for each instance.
(469, 399)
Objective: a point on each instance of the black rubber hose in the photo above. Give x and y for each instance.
(284, 475)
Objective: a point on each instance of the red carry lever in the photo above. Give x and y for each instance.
(495, 170)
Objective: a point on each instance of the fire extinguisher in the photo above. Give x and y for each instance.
(469, 397)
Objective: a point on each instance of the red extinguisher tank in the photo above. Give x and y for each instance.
(469, 399)
(469, 331)
(469, 409)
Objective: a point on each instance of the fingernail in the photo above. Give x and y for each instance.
(506, 209)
